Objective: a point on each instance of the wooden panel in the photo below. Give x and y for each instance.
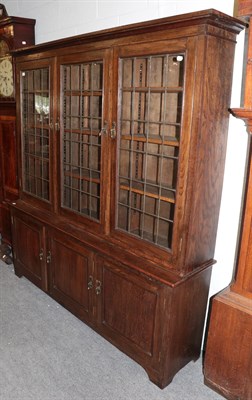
(28, 242)
(18, 31)
(209, 149)
(243, 8)
(228, 361)
(70, 272)
(8, 157)
(5, 223)
(128, 307)
(243, 282)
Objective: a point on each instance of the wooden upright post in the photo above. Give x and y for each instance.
(228, 359)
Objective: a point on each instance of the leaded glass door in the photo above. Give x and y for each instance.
(36, 131)
(150, 97)
(83, 137)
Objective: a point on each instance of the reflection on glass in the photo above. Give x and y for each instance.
(82, 91)
(42, 106)
(35, 101)
(151, 97)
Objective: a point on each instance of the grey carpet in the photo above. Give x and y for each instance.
(48, 354)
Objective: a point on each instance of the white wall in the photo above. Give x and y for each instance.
(61, 18)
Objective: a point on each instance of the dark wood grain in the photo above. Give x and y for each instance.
(29, 250)
(145, 296)
(70, 271)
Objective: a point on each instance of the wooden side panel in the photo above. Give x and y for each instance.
(8, 168)
(183, 324)
(8, 157)
(228, 361)
(243, 8)
(5, 223)
(243, 282)
(210, 124)
(24, 32)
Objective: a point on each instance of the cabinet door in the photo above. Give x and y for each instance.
(29, 249)
(70, 272)
(36, 131)
(152, 82)
(84, 125)
(128, 308)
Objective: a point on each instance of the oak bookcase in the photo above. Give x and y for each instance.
(121, 142)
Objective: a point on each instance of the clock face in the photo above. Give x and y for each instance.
(6, 77)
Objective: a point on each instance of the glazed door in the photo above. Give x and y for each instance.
(70, 274)
(152, 86)
(37, 126)
(84, 127)
(28, 237)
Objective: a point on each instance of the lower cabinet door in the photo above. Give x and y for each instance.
(29, 249)
(128, 311)
(70, 274)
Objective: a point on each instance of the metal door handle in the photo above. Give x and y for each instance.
(113, 131)
(48, 257)
(98, 287)
(104, 129)
(41, 254)
(90, 283)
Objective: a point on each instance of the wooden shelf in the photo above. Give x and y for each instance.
(84, 131)
(167, 195)
(91, 213)
(159, 240)
(36, 91)
(38, 156)
(174, 89)
(83, 175)
(166, 140)
(35, 126)
(82, 93)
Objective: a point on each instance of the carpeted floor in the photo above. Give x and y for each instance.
(48, 354)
